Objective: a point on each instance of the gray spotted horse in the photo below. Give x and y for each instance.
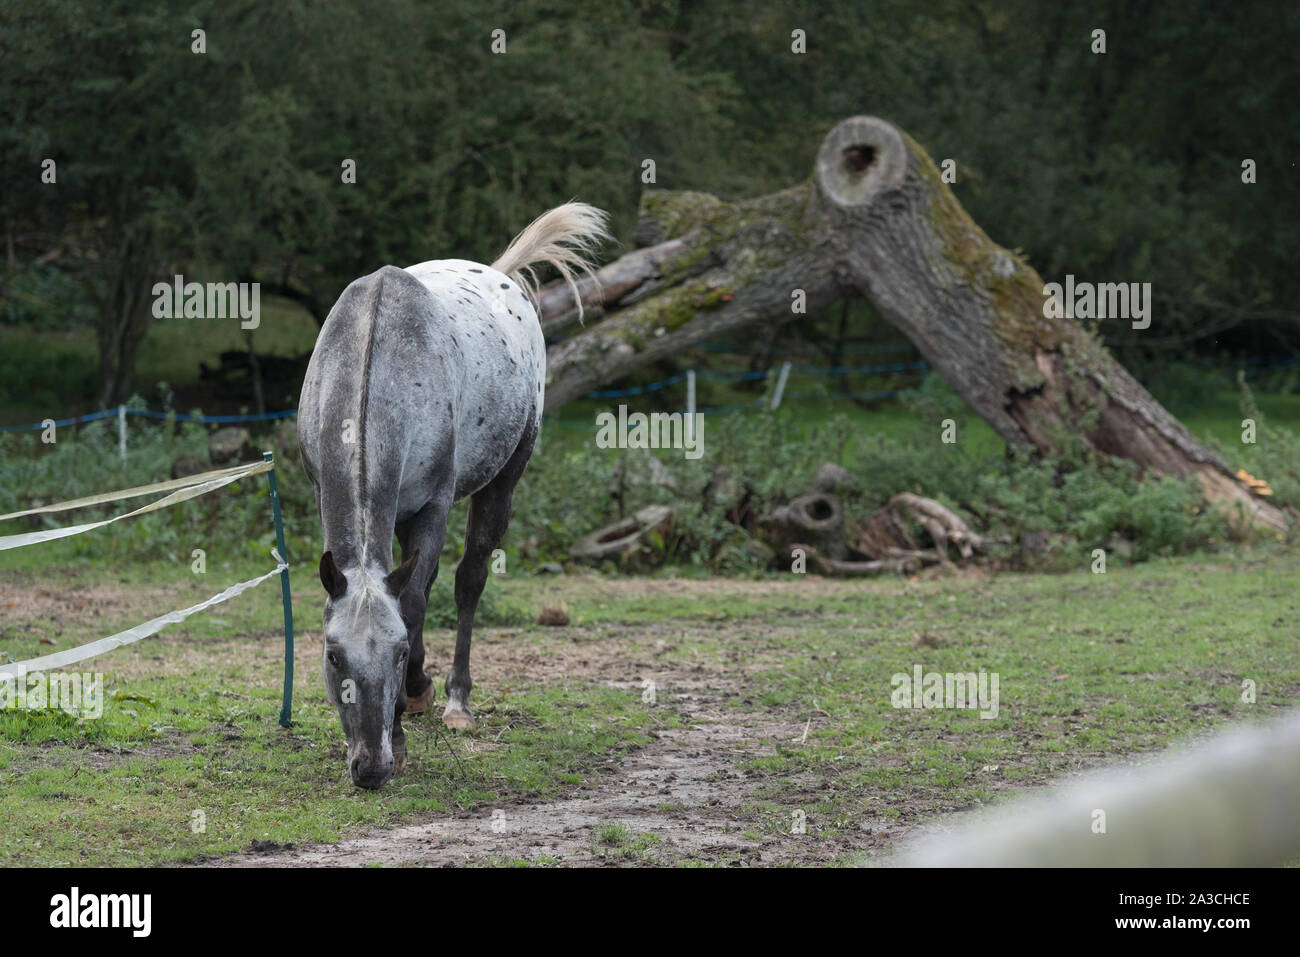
(425, 387)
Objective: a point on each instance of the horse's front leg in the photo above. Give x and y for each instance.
(424, 532)
(419, 686)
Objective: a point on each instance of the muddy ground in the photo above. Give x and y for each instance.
(684, 788)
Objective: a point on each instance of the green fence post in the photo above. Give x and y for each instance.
(286, 710)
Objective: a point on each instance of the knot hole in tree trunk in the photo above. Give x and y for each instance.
(859, 158)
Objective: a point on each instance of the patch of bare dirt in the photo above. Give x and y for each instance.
(684, 788)
(22, 602)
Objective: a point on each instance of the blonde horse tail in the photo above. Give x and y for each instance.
(566, 237)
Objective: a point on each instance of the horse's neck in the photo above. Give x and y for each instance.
(358, 520)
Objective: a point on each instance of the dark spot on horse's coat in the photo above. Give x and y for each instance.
(480, 420)
(476, 270)
(505, 285)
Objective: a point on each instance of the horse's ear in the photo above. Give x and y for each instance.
(330, 576)
(399, 577)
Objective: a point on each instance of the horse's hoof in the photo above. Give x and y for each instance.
(458, 720)
(416, 705)
(399, 761)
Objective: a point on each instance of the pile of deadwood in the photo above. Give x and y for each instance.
(909, 533)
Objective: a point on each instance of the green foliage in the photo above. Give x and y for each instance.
(1182, 384)
(492, 608)
(233, 523)
(42, 297)
(1093, 507)
(1075, 502)
(1273, 457)
(226, 164)
(1122, 166)
(565, 488)
(54, 380)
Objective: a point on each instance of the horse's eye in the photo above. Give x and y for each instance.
(333, 659)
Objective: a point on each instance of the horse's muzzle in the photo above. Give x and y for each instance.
(371, 776)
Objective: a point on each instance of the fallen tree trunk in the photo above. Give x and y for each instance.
(875, 220)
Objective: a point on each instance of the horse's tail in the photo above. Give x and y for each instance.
(566, 237)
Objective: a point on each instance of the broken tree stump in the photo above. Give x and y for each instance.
(816, 518)
(816, 523)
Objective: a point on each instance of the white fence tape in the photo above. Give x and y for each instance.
(251, 468)
(187, 488)
(72, 655)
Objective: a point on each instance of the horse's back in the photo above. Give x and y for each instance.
(421, 379)
(503, 363)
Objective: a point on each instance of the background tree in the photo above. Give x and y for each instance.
(226, 165)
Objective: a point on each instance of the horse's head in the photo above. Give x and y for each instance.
(365, 652)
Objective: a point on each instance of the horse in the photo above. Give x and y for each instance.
(425, 388)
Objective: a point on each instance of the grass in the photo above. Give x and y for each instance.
(191, 713)
(614, 834)
(615, 840)
(1092, 667)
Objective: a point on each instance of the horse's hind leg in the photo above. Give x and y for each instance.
(489, 516)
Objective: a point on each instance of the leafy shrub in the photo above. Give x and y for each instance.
(41, 296)
(1274, 456)
(1077, 500)
(234, 523)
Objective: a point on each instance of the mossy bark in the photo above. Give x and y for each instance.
(710, 268)
(876, 220)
